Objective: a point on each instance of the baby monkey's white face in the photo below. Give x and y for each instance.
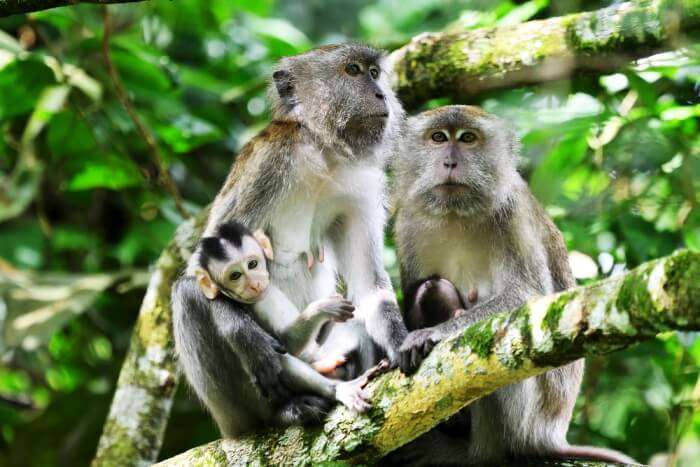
(240, 271)
(244, 277)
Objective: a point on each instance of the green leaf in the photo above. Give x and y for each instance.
(187, 132)
(22, 82)
(68, 134)
(279, 35)
(112, 172)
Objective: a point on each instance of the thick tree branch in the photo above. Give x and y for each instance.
(547, 332)
(463, 64)
(135, 425)
(13, 7)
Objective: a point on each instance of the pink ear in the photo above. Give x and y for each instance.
(265, 243)
(206, 284)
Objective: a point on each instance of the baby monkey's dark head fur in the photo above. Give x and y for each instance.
(338, 91)
(431, 301)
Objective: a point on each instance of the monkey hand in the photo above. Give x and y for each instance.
(335, 308)
(415, 348)
(265, 368)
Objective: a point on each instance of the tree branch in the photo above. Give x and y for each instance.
(463, 64)
(13, 7)
(547, 332)
(135, 425)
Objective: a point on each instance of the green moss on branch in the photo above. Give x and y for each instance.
(463, 64)
(506, 348)
(133, 431)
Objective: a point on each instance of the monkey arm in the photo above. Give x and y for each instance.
(359, 245)
(419, 343)
(259, 352)
(297, 330)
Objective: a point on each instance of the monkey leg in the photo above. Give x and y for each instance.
(350, 393)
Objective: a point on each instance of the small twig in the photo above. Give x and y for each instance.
(163, 174)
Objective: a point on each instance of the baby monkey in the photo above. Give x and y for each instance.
(233, 263)
(434, 300)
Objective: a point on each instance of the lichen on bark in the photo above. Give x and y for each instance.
(546, 332)
(135, 425)
(462, 64)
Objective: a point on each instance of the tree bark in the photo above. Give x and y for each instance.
(134, 429)
(547, 332)
(463, 64)
(13, 7)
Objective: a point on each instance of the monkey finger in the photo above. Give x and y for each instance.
(416, 358)
(321, 254)
(309, 260)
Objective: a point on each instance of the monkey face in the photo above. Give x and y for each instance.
(340, 92)
(457, 159)
(245, 276)
(235, 265)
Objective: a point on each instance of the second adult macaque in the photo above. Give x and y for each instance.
(466, 215)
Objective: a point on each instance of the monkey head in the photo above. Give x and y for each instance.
(339, 92)
(432, 301)
(457, 160)
(234, 262)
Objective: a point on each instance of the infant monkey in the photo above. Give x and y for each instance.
(233, 263)
(434, 300)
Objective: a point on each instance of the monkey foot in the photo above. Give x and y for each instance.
(328, 365)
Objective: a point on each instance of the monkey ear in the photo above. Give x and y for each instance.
(208, 286)
(265, 244)
(285, 87)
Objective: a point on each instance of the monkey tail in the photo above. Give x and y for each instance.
(595, 453)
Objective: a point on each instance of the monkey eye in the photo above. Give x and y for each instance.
(235, 275)
(252, 264)
(374, 72)
(438, 137)
(353, 69)
(469, 137)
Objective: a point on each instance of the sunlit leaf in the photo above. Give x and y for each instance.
(113, 172)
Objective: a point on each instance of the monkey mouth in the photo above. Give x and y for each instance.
(450, 186)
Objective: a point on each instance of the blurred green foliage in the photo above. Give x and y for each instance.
(614, 159)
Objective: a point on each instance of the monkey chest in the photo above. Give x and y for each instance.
(468, 265)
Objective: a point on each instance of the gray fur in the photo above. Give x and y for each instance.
(312, 179)
(493, 236)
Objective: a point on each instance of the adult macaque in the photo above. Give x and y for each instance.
(466, 215)
(313, 180)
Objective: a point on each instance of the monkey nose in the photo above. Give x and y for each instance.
(379, 95)
(450, 165)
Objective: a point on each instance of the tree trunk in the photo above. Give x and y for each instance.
(463, 64)
(547, 332)
(133, 431)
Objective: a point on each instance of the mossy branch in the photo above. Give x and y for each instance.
(463, 64)
(134, 429)
(547, 332)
